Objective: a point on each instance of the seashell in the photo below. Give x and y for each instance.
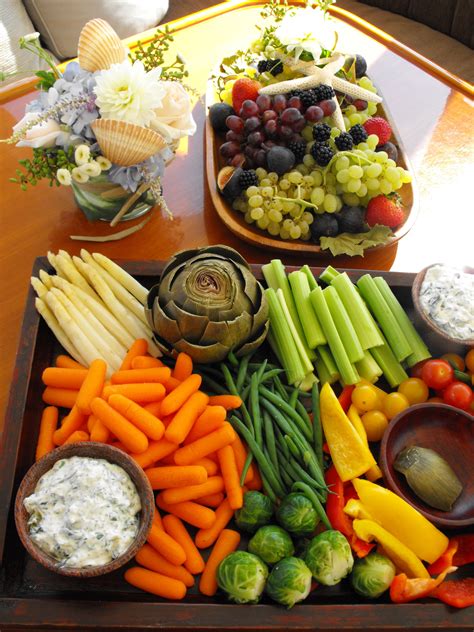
(99, 46)
(124, 143)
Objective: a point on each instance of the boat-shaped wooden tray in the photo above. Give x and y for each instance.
(32, 598)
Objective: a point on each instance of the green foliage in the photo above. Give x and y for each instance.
(153, 56)
(46, 80)
(44, 165)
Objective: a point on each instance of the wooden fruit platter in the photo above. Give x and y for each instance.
(33, 598)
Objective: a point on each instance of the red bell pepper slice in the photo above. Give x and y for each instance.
(445, 560)
(465, 552)
(458, 593)
(404, 589)
(345, 398)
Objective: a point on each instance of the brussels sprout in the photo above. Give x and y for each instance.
(297, 515)
(272, 544)
(242, 576)
(257, 510)
(372, 575)
(329, 557)
(289, 581)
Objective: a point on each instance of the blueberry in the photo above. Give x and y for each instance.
(324, 225)
(218, 112)
(280, 160)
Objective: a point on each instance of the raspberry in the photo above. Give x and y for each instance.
(378, 125)
(248, 178)
(358, 133)
(299, 149)
(382, 210)
(344, 142)
(321, 132)
(323, 92)
(322, 153)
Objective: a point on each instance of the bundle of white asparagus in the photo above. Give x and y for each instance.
(94, 308)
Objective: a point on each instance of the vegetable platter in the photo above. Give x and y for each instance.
(31, 597)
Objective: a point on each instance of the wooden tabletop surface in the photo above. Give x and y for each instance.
(433, 118)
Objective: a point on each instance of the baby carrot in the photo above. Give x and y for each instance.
(207, 537)
(48, 424)
(84, 428)
(155, 583)
(138, 416)
(185, 417)
(61, 397)
(119, 446)
(227, 401)
(230, 475)
(205, 445)
(211, 500)
(256, 481)
(174, 400)
(131, 437)
(171, 383)
(138, 348)
(154, 561)
(208, 464)
(169, 460)
(139, 376)
(156, 450)
(65, 362)
(157, 520)
(76, 437)
(154, 408)
(70, 424)
(183, 367)
(228, 541)
(141, 393)
(166, 545)
(176, 529)
(90, 423)
(64, 378)
(197, 515)
(213, 485)
(146, 362)
(240, 454)
(210, 419)
(100, 432)
(92, 385)
(176, 476)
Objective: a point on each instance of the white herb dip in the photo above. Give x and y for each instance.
(84, 512)
(447, 298)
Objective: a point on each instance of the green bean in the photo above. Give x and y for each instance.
(254, 366)
(286, 478)
(307, 491)
(245, 469)
(213, 386)
(293, 398)
(281, 442)
(307, 478)
(233, 389)
(255, 409)
(270, 439)
(303, 413)
(289, 389)
(267, 488)
(293, 448)
(233, 359)
(261, 370)
(317, 429)
(266, 452)
(280, 388)
(242, 373)
(284, 406)
(269, 375)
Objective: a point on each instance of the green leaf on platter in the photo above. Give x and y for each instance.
(353, 244)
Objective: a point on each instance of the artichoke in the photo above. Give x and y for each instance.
(208, 303)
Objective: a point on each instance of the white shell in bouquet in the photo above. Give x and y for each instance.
(99, 46)
(124, 143)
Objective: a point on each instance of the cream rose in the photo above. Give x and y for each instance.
(42, 135)
(174, 119)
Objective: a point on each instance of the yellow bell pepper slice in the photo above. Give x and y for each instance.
(402, 520)
(403, 558)
(373, 473)
(350, 456)
(355, 509)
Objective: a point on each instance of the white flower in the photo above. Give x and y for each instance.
(307, 30)
(174, 119)
(91, 168)
(64, 177)
(82, 154)
(31, 37)
(128, 93)
(79, 176)
(104, 163)
(41, 135)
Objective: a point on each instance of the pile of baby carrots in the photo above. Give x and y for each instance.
(180, 437)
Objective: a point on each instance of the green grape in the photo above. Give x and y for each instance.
(338, 203)
(236, 204)
(265, 182)
(263, 222)
(330, 203)
(261, 173)
(317, 196)
(406, 177)
(282, 194)
(353, 185)
(304, 226)
(248, 218)
(390, 163)
(308, 180)
(295, 232)
(287, 206)
(342, 163)
(362, 191)
(347, 123)
(257, 213)
(287, 224)
(350, 109)
(370, 153)
(363, 146)
(273, 228)
(303, 169)
(372, 184)
(355, 171)
(385, 186)
(305, 193)
(330, 179)
(331, 188)
(343, 176)
(335, 132)
(371, 109)
(284, 234)
(252, 191)
(266, 191)
(307, 133)
(355, 119)
(274, 216)
(374, 170)
(350, 199)
(365, 82)
(295, 177)
(306, 236)
(364, 115)
(284, 184)
(296, 211)
(397, 185)
(307, 217)
(308, 160)
(317, 177)
(273, 177)
(255, 200)
(372, 141)
(392, 175)
(276, 205)
(381, 156)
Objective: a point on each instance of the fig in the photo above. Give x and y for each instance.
(228, 182)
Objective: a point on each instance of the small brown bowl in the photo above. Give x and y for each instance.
(437, 340)
(449, 432)
(96, 451)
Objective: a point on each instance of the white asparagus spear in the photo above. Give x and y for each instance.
(46, 279)
(58, 331)
(132, 285)
(73, 275)
(39, 287)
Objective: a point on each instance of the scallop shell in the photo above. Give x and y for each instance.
(99, 46)
(124, 143)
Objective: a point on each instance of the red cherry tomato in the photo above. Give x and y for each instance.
(415, 371)
(437, 374)
(458, 394)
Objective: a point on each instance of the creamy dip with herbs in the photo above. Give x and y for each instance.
(447, 298)
(84, 512)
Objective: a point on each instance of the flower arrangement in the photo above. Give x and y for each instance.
(108, 125)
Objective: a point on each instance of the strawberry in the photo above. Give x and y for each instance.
(382, 210)
(242, 90)
(378, 125)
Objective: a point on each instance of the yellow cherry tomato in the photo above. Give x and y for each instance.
(455, 359)
(375, 424)
(394, 403)
(469, 360)
(365, 397)
(415, 390)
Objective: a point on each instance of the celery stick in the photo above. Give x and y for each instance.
(358, 311)
(328, 275)
(419, 349)
(270, 277)
(347, 371)
(392, 369)
(383, 314)
(312, 329)
(323, 373)
(368, 368)
(305, 361)
(344, 326)
(310, 276)
(328, 361)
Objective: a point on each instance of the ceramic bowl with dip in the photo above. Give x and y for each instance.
(84, 509)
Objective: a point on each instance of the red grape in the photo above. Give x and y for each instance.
(249, 108)
(279, 102)
(295, 102)
(251, 124)
(290, 116)
(235, 123)
(260, 158)
(255, 138)
(269, 115)
(238, 160)
(271, 127)
(264, 102)
(314, 114)
(285, 132)
(230, 135)
(299, 124)
(328, 107)
(229, 149)
(360, 104)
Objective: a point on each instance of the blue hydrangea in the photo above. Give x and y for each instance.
(130, 178)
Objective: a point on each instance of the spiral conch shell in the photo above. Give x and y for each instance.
(99, 46)
(124, 143)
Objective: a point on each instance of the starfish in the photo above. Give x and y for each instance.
(316, 76)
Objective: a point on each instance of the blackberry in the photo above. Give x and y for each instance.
(308, 98)
(321, 132)
(299, 149)
(262, 66)
(321, 153)
(323, 92)
(344, 142)
(248, 178)
(273, 66)
(358, 133)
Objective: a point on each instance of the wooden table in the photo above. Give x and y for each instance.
(431, 110)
